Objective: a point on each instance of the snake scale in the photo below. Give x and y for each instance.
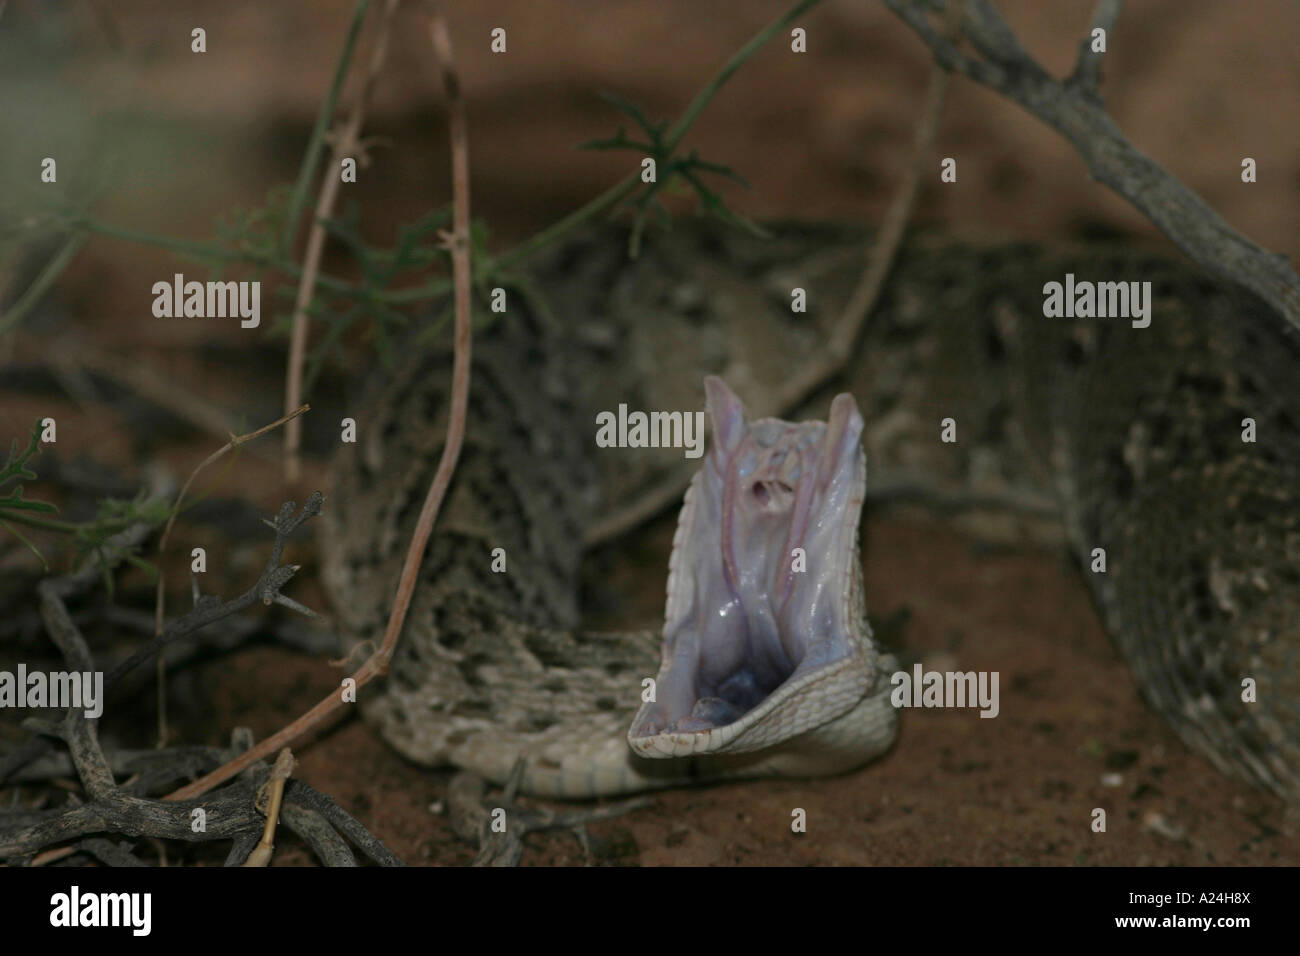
(1135, 433)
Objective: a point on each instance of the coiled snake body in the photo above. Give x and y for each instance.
(1137, 433)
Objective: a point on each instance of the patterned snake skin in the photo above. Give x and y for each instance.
(1135, 433)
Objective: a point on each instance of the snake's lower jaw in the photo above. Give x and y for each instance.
(764, 636)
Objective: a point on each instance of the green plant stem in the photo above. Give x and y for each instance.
(48, 524)
(205, 249)
(213, 251)
(312, 157)
(30, 545)
(36, 291)
(621, 190)
(196, 248)
(737, 60)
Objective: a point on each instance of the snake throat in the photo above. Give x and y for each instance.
(759, 590)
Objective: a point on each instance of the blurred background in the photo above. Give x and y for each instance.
(172, 140)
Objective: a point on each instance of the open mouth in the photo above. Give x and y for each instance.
(760, 580)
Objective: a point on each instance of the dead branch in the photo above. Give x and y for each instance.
(1087, 71)
(316, 832)
(160, 594)
(304, 795)
(149, 770)
(87, 575)
(1074, 109)
(210, 608)
(231, 814)
(125, 809)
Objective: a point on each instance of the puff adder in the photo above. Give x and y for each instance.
(1136, 434)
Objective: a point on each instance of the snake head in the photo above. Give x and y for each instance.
(764, 633)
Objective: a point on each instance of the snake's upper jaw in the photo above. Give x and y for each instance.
(764, 636)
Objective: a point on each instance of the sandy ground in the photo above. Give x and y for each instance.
(1197, 85)
(1072, 736)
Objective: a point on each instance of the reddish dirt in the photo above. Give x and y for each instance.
(956, 789)
(1197, 85)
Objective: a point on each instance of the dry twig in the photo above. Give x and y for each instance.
(160, 599)
(458, 243)
(346, 143)
(125, 808)
(883, 250)
(281, 771)
(1074, 109)
(207, 609)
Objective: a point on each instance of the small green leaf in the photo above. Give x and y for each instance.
(25, 504)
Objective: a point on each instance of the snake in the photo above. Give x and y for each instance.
(1163, 456)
